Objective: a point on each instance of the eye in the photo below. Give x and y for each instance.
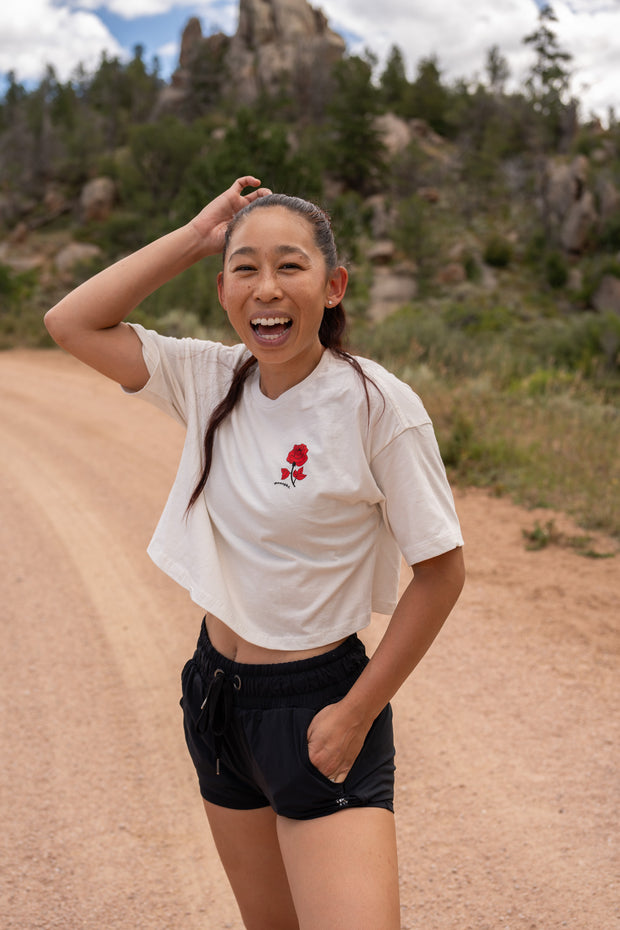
(291, 266)
(244, 268)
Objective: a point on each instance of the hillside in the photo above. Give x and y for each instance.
(482, 228)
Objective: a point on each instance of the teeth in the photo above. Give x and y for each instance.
(272, 321)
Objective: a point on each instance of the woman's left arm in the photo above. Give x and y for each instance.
(337, 733)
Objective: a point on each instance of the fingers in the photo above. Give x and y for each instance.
(338, 779)
(250, 181)
(254, 195)
(335, 768)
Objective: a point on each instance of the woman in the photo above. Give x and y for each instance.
(305, 474)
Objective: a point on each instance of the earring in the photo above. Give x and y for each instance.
(329, 302)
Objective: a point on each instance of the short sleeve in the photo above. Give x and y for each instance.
(183, 370)
(164, 357)
(419, 507)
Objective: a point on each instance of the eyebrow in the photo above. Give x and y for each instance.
(280, 250)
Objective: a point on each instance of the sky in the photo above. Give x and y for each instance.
(66, 33)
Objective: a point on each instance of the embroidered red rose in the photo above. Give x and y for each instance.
(297, 458)
(298, 455)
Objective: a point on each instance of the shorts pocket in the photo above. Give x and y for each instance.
(307, 718)
(295, 787)
(192, 690)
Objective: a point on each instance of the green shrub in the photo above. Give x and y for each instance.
(472, 268)
(21, 309)
(556, 270)
(498, 252)
(351, 221)
(581, 343)
(194, 293)
(415, 234)
(479, 317)
(7, 284)
(609, 236)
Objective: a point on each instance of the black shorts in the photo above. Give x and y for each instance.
(246, 730)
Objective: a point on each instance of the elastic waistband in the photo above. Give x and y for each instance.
(284, 683)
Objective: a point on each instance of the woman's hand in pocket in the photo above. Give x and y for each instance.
(335, 740)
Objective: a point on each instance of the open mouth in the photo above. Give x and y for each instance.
(271, 327)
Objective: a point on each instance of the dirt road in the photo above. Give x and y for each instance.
(507, 735)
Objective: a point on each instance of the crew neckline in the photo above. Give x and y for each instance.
(264, 401)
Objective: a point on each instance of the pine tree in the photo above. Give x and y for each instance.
(393, 83)
(549, 79)
(355, 153)
(497, 70)
(428, 98)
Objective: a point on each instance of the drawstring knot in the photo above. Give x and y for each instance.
(216, 709)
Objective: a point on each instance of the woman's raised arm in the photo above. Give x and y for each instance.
(88, 322)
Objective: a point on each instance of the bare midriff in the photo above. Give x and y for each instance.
(230, 644)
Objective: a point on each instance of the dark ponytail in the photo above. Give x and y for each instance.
(331, 331)
(223, 409)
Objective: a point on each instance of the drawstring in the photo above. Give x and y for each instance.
(216, 709)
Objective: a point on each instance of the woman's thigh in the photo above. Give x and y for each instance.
(342, 869)
(248, 846)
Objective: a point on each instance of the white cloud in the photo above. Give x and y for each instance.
(65, 33)
(593, 6)
(168, 56)
(132, 9)
(128, 9)
(34, 33)
(594, 42)
(460, 34)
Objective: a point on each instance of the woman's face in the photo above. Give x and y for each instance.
(274, 287)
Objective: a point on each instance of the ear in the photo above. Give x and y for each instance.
(220, 289)
(336, 286)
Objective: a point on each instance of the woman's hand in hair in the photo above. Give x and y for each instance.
(212, 221)
(88, 322)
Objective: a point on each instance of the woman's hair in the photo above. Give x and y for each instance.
(331, 330)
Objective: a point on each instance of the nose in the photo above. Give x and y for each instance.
(267, 287)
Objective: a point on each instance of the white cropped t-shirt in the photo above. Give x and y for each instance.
(311, 500)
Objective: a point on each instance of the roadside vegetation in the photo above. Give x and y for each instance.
(516, 360)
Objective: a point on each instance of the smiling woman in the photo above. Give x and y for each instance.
(313, 474)
(275, 287)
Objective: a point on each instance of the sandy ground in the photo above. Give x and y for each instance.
(507, 735)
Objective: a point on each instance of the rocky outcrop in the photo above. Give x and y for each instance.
(607, 296)
(568, 204)
(72, 256)
(279, 39)
(451, 274)
(277, 42)
(392, 288)
(97, 199)
(608, 197)
(395, 133)
(578, 224)
(191, 40)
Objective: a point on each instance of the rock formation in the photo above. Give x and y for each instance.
(568, 204)
(97, 199)
(277, 42)
(607, 296)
